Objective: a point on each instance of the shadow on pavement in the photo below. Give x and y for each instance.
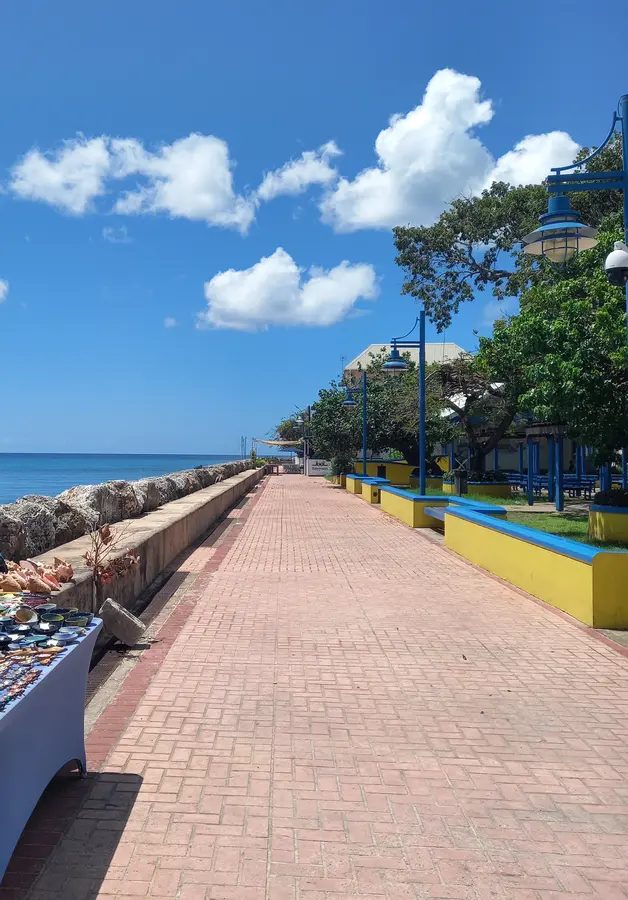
(72, 836)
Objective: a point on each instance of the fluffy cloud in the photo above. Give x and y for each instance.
(116, 235)
(275, 292)
(170, 322)
(431, 155)
(312, 167)
(4, 290)
(532, 158)
(424, 159)
(69, 178)
(190, 179)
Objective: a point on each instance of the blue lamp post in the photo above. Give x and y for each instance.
(349, 403)
(561, 234)
(395, 364)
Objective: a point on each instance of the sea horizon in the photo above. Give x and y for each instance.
(49, 474)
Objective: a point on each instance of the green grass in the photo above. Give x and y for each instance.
(574, 527)
(519, 500)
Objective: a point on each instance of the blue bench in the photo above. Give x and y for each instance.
(436, 512)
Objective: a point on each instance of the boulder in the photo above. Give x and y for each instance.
(112, 500)
(12, 534)
(39, 527)
(186, 482)
(121, 623)
(70, 522)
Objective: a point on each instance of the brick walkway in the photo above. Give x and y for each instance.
(340, 708)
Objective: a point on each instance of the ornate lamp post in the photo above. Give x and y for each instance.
(395, 364)
(349, 403)
(561, 234)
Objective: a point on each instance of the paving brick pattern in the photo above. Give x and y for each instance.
(341, 708)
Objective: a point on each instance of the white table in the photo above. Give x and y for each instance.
(40, 733)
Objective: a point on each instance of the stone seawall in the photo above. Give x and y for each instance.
(157, 537)
(35, 524)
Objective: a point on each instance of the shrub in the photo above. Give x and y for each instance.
(615, 497)
(341, 465)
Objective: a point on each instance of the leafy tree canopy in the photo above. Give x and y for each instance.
(392, 415)
(475, 243)
(567, 349)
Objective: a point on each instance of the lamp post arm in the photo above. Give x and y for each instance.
(583, 162)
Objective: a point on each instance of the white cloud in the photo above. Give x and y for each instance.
(116, 235)
(68, 178)
(4, 290)
(312, 167)
(530, 161)
(170, 322)
(431, 155)
(275, 292)
(190, 179)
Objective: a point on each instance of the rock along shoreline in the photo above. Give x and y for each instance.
(35, 524)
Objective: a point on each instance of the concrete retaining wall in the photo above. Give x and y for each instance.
(157, 537)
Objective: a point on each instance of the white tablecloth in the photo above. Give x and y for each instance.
(39, 733)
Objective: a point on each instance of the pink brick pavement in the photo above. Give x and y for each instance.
(343, 709)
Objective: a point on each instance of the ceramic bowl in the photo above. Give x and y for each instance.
(5, 640)
(66, 611)
(79, 621)
(61, 639)
(22, 629)
(6, 621)
(54, 618)
(47, 628)
(24, 614)
(44, 608)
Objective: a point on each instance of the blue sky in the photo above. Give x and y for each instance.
(116, 221)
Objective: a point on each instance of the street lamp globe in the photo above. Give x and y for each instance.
(348, 402)
(395, 365)
(560, 234)
(299, 420)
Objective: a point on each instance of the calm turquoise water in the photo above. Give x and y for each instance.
(51, 473)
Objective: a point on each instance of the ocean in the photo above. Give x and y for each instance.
(51, 473)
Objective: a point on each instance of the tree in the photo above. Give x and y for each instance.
(485, 408)
(567, 347)
(288, 429)
(475, 244)
(392, 416)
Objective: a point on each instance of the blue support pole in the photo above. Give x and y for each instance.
(623, 112)
(560, 495)
(364, 421)
(496, 458)
(530, 472)
(624, 467)
(422, 441)
(521, 458)
(452, 456)
(578, 462)
(551, 469)
(537, 458)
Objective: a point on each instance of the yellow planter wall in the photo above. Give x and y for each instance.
(370, 492)
(448, 488)
(409, 511)
(608, 525)
(397, 472)
(592, 591)
(353, 485)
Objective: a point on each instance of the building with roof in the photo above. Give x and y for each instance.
(434, 353)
